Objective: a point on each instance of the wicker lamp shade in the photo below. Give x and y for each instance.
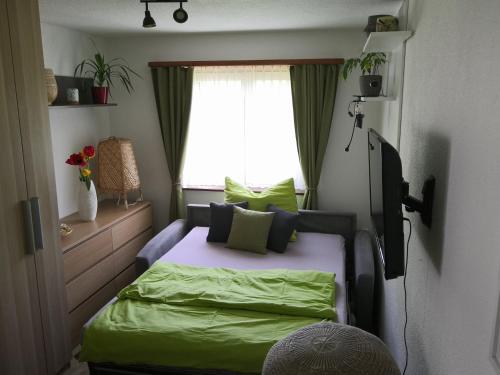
(330, 349)
(118, 172)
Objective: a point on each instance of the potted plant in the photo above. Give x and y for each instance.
(370, 82)
(104, 73)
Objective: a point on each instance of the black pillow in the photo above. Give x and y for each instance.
(283, 225)
(221, 218)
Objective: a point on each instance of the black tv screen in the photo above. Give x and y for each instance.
(386, 181)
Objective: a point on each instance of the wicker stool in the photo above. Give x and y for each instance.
(330, 349)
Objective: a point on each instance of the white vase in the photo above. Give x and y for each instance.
(87, 202)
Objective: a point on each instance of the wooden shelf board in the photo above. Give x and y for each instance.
(62, 106)
(378, 98)
(386, 41)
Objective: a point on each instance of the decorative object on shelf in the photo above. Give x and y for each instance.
(370, 82)
(104, 73)
(386, 23)
(180, 15)
(117, 168)
(371, 26)
(72, 96)
(65, 230)
(330, 349)
(87, 196)
(50, 82)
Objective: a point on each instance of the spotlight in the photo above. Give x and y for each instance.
(148, 20)
(180, 15)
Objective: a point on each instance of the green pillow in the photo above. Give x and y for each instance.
(249, 230)
(282, 195)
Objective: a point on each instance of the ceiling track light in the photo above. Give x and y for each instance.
(180, 15)
(148, 20)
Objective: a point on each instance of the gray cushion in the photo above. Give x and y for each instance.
(283, 225)
(221, 218)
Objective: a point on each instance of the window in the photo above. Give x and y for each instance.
(241, 125)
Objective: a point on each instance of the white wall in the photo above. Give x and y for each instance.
(450, 128)
(343, 185)
(71, 129)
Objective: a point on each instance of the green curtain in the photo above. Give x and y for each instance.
(313, 92)
(173, 88)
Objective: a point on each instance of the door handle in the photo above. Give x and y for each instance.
(28, 228)
(33, 225)
(37, 222)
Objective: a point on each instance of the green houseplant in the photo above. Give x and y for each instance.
(370, 82)
(104, 73)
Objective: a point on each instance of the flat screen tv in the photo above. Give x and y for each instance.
(386, 203)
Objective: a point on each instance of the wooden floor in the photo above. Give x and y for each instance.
(76, 367)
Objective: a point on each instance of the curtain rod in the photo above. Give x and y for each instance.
(158, 64)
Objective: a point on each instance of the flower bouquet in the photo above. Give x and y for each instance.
(81, 160)
(87, 195)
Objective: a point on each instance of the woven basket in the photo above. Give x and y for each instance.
(117, 168)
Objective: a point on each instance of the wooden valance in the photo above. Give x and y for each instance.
(158, 64)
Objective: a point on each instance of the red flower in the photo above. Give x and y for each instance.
(76, 159)
(89, 151)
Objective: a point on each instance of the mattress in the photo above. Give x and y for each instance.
(311, 251)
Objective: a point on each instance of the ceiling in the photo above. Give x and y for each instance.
(125, 16)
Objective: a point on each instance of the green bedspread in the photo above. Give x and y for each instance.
(211, 318)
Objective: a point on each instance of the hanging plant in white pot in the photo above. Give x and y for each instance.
(87, 196)
(370, 82)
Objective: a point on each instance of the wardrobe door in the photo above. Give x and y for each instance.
(21, 341)
(27, 60)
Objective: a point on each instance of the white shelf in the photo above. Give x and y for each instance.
(386, 41)
(378, 98)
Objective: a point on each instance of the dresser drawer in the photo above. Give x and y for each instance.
(79, 316)
(89, 282)
(131, 227)
(125, 278)
(84, 256)
(125, 255)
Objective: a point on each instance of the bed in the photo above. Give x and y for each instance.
(326, 242)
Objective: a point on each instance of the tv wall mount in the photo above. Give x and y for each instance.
(424, 206)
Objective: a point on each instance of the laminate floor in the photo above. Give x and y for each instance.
(76, 367)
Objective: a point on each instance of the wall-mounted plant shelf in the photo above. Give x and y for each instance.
(62, 106)
(84, 88)
(386, 41)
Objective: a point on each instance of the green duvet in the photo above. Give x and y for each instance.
(210, 318)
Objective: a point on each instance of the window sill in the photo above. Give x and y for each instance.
(221, 189)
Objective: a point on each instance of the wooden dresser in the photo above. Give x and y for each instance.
(99, 257)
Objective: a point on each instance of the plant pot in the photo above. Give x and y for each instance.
(370, 85)
(100, 95)
(50, 82)
(87, 202)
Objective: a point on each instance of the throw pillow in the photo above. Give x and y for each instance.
(281, 195)
(283, 225)
(221, 218)
(250, 230)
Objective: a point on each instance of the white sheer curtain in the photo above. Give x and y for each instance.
(241, 126)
